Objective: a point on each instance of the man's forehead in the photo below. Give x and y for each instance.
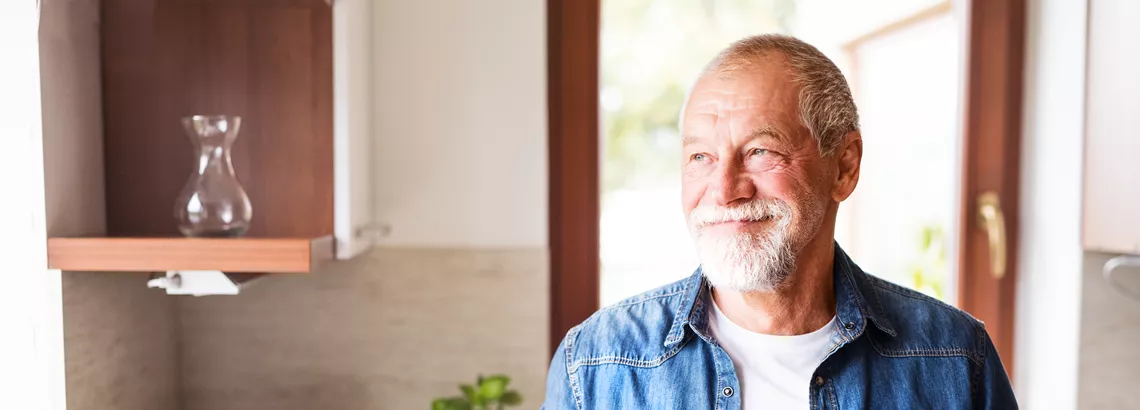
(712, 106)
(744, 112)
(717, 99)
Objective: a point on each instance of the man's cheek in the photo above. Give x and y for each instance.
(773, 186)
(690, 197)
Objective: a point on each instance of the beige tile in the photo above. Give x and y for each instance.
(389, 330)
(1110, 333)
(120, 346)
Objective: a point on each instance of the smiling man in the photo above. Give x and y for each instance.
(777, 316)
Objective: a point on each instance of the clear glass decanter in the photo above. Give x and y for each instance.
(213, 203)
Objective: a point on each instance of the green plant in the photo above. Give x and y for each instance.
(488, 393)
(929, 270)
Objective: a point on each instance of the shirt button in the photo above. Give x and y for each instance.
(849, 325)
(727, 392)
(819, 380)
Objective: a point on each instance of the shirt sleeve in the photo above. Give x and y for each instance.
(559, 394)
(994, 390)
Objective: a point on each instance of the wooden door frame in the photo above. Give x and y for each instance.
(991, 160)
(991, 155)
(572, 90)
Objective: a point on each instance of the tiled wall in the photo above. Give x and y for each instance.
(1110, 340)
(388, 330)
(120, 341)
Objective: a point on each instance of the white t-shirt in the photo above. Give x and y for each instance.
(775, 372)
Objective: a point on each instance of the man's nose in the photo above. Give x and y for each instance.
(732, 184)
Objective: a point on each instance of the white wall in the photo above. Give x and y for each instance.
(1112, 176)
(460, 122)
(1050, 256)
(31, 351)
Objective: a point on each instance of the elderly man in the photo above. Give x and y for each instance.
(777, 316)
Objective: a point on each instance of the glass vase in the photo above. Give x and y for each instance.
(213, 203)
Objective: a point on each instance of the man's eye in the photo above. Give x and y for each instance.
(758, 151)
(699, 157)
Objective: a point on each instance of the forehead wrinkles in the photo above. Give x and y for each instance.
(716, 107)
(718, 114)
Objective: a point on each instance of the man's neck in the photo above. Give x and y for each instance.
(806, 303)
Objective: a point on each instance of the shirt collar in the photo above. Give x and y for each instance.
(855, 303)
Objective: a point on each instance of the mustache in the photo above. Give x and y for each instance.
(754, 210)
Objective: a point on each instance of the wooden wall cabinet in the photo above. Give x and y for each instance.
(1111, 214)
(296, 71)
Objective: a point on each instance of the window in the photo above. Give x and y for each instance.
(902, 59)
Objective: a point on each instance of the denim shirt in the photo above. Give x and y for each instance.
(892, 348)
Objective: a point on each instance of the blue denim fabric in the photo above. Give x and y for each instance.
(893, 348)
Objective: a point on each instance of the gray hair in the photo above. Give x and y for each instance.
(826, 106)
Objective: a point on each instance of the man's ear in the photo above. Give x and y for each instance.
(848, 156)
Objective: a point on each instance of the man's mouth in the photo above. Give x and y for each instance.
(740, 222)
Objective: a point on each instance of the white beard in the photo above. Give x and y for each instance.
(746, 261)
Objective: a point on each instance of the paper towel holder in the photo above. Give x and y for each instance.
(202, 282)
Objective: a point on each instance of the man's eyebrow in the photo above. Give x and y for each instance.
(766, 130)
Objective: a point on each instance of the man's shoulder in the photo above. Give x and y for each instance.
(924, 325)
(632, 331)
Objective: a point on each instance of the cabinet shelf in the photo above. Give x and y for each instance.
(231, 255)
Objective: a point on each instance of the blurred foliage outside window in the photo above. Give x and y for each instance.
(651, 51)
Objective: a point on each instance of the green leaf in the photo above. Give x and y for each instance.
(460, 403)
(493, 387)
(479, 402)
(451, 403)
(440, 404)
(468, 391)
(511, 398)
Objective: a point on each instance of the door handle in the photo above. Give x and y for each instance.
(992, 220)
